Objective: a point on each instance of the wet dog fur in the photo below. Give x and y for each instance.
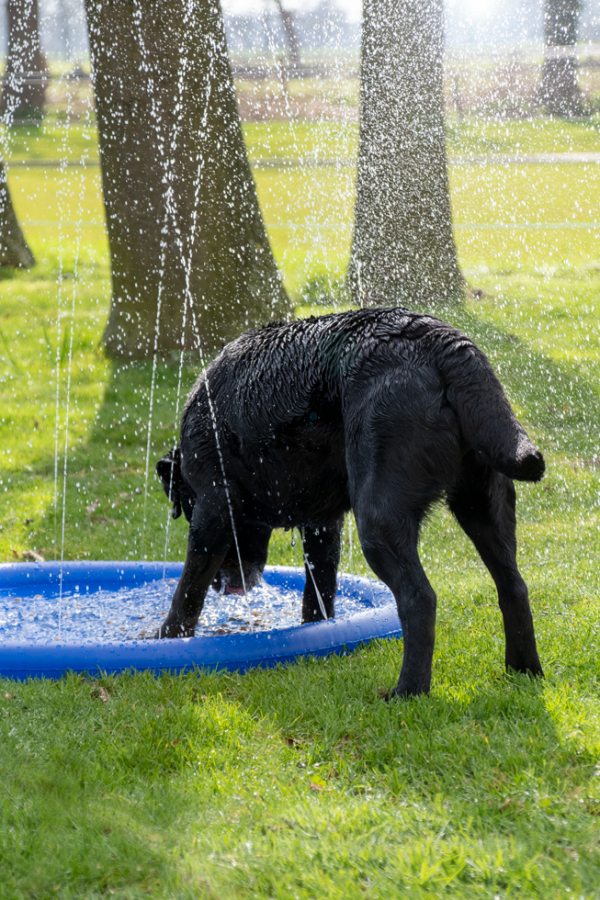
(379, 411)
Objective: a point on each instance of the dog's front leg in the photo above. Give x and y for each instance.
(207, 546)
(321, 561)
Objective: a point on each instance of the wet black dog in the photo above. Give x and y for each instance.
(382, 411)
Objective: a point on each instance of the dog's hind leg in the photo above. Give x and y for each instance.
(321, 561)
(483, 501)
(390, 547)
(208, 541)
(402, 448)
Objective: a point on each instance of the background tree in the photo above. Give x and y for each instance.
(403, 246)
(14, 250)
(25, 75)
(560, 90)
(188, 245)
(289, 24)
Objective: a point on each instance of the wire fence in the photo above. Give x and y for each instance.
(333, 162)
(338, 226)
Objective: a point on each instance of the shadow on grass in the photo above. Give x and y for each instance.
(136, 425)
(483, 739)
(114, 507)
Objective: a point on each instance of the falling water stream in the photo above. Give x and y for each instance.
(188, 302)
(78, 220)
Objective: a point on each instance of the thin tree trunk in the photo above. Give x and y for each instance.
(403, 247)
(188, 244)
(26, 75)
(14, 250)
(560, 89)
(288, 20)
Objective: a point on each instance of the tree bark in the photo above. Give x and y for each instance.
(560, 89)
(26, 75)
(403, 247)
(14, 250)
(191, 261)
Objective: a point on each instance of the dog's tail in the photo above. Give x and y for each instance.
(485, 415)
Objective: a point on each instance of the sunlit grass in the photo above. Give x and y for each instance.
(301, 782)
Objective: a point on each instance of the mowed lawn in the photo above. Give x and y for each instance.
(301, 782)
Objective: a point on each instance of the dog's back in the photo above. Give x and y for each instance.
(280, 374)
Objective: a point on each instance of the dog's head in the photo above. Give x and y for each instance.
(229, 580)
(251, 541)
(168, 470)
(253, 547)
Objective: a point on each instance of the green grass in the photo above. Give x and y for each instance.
(301, 782)
(536, 135)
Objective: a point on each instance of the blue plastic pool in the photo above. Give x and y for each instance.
(42, 637)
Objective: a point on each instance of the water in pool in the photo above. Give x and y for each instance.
(136, 613)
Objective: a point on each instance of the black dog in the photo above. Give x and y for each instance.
(382, 411)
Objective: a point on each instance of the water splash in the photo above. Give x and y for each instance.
(135, 613)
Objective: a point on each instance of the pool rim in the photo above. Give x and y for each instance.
(21, 660)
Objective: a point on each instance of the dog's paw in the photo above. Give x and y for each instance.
(533, 670)
(174, 630)
(388, 696)
(401, 693)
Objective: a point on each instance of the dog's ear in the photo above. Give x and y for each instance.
(168, 470)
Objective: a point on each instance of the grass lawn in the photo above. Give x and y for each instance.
(301, 782)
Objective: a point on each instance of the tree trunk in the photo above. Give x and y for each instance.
(191, 261)
(560, 89)
(14, 250)
(26, 75)
(288, 20)
(403, 247)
